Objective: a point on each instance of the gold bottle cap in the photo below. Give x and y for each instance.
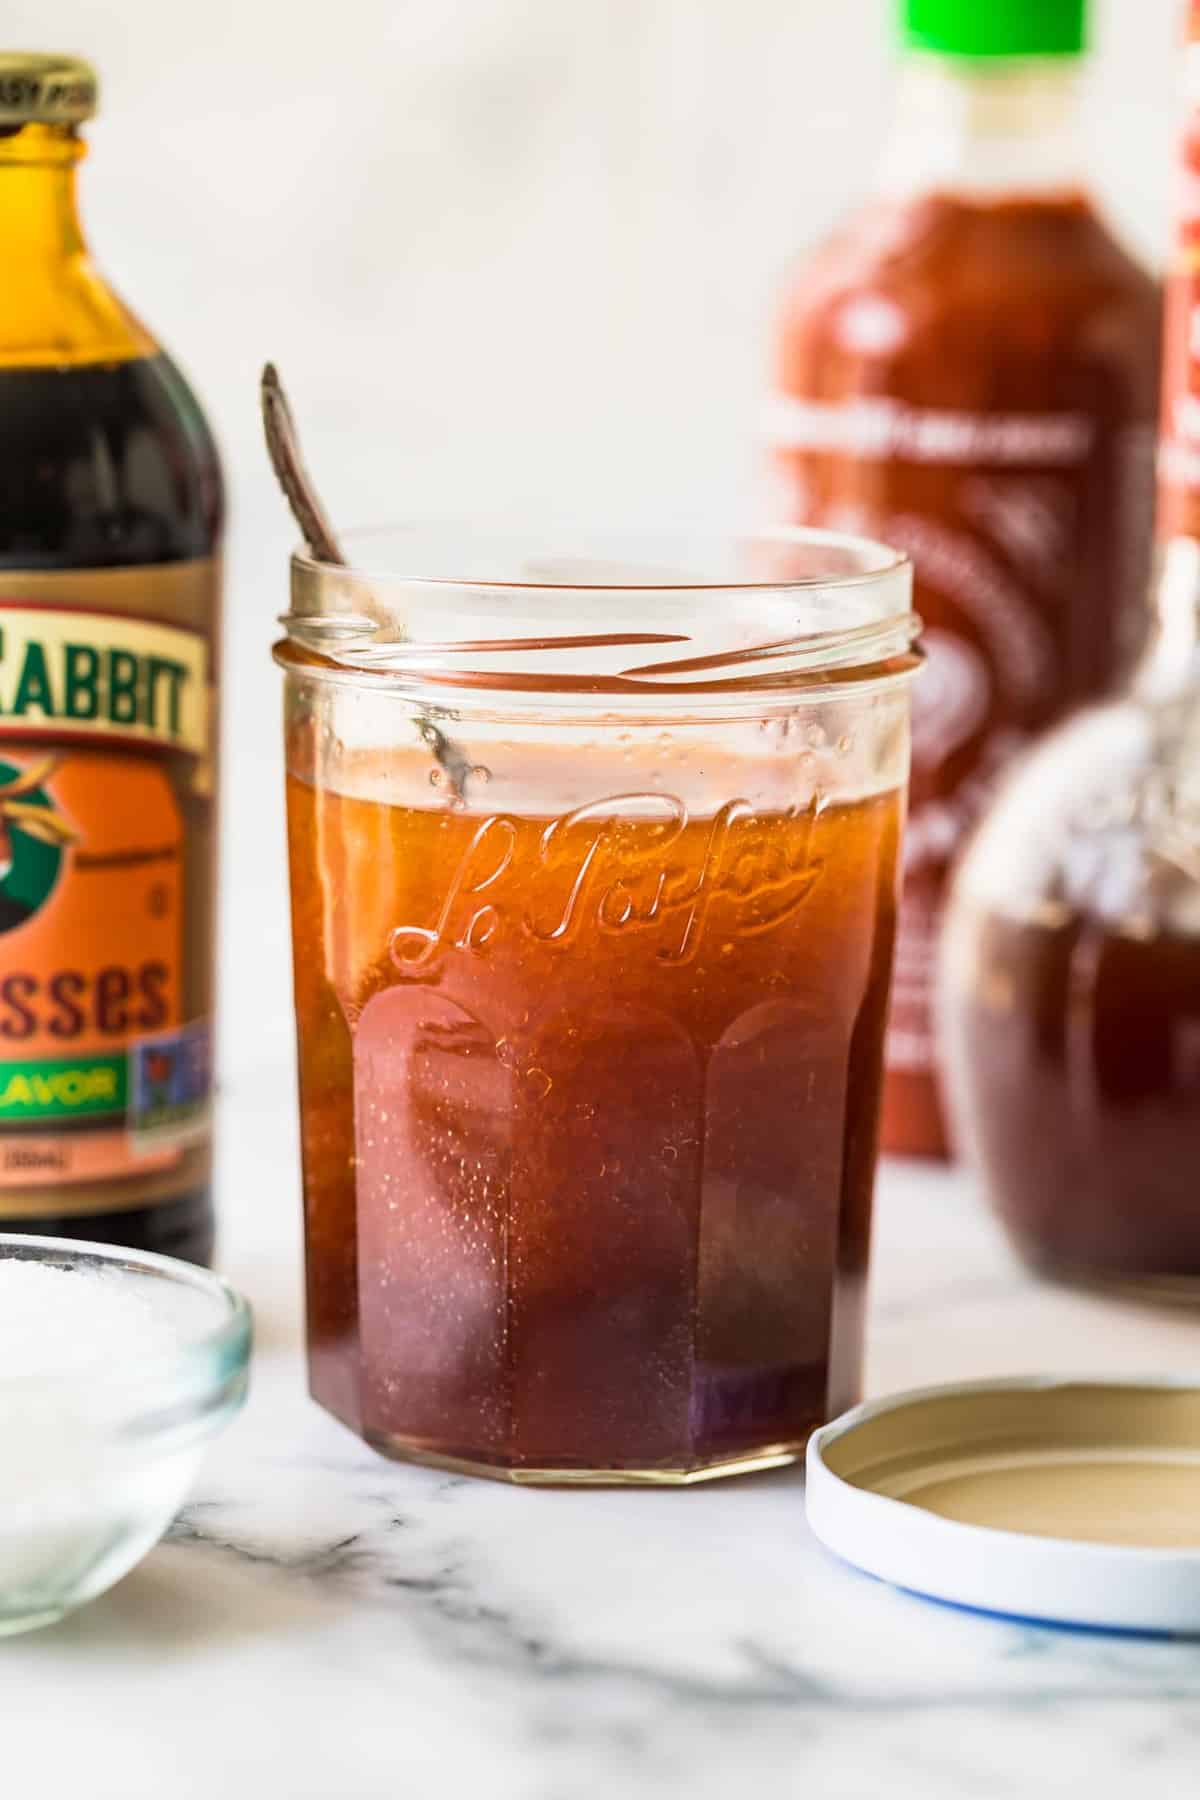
(47, 90)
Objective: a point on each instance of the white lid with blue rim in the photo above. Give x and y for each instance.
(1071, 1501)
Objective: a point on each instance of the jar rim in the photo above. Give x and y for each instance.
(876, 559)
(581, 616)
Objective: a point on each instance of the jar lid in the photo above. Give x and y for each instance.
(1069, 1501)
(995, 27)
(36, 88)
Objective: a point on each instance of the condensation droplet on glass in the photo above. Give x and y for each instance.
(481, 773)
(726, 949)
(436, 778)
(815, 735)
(845, 744)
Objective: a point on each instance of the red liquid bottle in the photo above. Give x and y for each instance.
(969, 370)
(1072, 957)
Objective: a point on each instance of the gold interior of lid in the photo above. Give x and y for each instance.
(36, 87)
(1097, 1463)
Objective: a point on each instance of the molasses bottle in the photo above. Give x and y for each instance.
(110, 519)
(968, 370)
(1071, 970)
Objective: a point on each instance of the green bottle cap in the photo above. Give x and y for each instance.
(995, 27)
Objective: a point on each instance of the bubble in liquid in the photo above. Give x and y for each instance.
(539, 1079)
(845, 744)
(815, 735)
(482, 773)
(436, 777)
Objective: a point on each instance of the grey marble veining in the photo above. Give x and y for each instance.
(323, 1623)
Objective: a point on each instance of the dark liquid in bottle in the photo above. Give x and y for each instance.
(103, 466)
(1080, 1048)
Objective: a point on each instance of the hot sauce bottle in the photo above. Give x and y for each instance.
(110, 516)
(1071, 981)
(968, 370)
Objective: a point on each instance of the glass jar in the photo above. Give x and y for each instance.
(1071, 979)
(593, 864)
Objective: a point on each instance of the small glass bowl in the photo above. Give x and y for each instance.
(96, 1461)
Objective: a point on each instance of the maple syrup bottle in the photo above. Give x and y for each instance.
(110, 521)
(969, 370)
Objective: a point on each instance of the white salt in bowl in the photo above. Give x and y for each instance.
(116, 1369)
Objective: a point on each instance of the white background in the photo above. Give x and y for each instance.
(506, 252)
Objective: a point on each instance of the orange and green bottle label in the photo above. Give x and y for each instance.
(105, 775)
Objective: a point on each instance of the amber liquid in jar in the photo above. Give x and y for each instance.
(589, 1113)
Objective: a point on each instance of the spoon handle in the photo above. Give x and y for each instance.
(283, 447)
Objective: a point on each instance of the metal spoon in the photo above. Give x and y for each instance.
(283, 447)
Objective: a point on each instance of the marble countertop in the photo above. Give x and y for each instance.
(325, 1625)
